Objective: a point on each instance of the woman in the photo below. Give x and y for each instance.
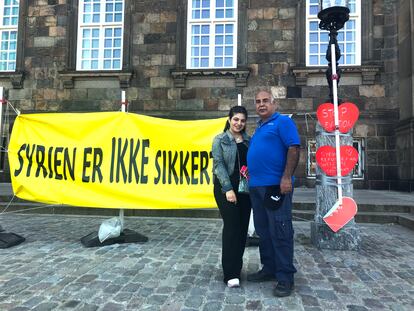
(229, 156)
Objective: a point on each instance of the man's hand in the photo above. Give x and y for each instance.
(291, 163)
(285, 185)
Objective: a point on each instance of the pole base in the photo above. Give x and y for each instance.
(10, 239)
(348, 238)
(127, 236)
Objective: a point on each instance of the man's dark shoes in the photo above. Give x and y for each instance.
(260, 276)
(283, 289)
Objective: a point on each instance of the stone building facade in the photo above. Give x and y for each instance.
(270, 53)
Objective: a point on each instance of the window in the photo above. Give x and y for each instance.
(100, 35)
(212, 34)
(358, 172)
(349, 37)
(9, 19)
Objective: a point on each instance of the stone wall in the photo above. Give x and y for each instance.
(270, 54)
(405, 128)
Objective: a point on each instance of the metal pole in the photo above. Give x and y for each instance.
(123, 109)
(2, 101)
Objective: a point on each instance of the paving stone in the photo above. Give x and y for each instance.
(309, 300)
(88, 307)
(212, 306)
(71, 304)
(194, 301)
(113, 307)
(34, 301)
(179, 268)
(123, 297)
(373, 303)
(233, 308)
(46, 306)
(326, 294)
(234, 299)
(356, 308)
(157, 299)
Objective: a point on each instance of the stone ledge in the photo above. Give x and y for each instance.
(16, 78)
(69, 77)
(406, 220)
(405, 126)
(180, 76)
(367, 73)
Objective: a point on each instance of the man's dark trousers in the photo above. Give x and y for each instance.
(274, 227)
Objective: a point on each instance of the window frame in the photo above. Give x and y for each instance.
(70, 74)
(212, 21)
(9, 29)
(102, 26)
(181, 75)
(16, 76)
(369, 68)
(356, 16)
(358, 172)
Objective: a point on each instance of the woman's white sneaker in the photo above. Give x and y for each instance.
(233, 283)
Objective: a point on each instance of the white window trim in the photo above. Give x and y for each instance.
(212, 21)
(357, 16)
(101, 25)
(9, 28)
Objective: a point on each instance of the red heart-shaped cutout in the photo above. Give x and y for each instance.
(339, 215)
(326, 158)
(348, 114)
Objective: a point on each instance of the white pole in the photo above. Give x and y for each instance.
(336, 118)
(1, 115)
(123, 101)
(239, 103)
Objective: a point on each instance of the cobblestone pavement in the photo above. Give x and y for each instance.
(179, 269)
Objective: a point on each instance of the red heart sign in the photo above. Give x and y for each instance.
(326, 158)
(347, 114)
(339, 215)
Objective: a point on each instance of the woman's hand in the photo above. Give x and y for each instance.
(244, 171)
(231, 196)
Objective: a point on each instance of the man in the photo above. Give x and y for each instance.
(272, 158)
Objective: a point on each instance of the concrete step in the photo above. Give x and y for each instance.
(298, 206)
(363, 207)
(301, 214)
(407, 220)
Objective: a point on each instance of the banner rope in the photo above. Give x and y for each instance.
(3, 148)
(29, 209)
(7, 206)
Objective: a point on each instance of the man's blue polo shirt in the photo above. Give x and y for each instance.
(266, 158)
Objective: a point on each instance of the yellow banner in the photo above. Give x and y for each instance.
(113, 160)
